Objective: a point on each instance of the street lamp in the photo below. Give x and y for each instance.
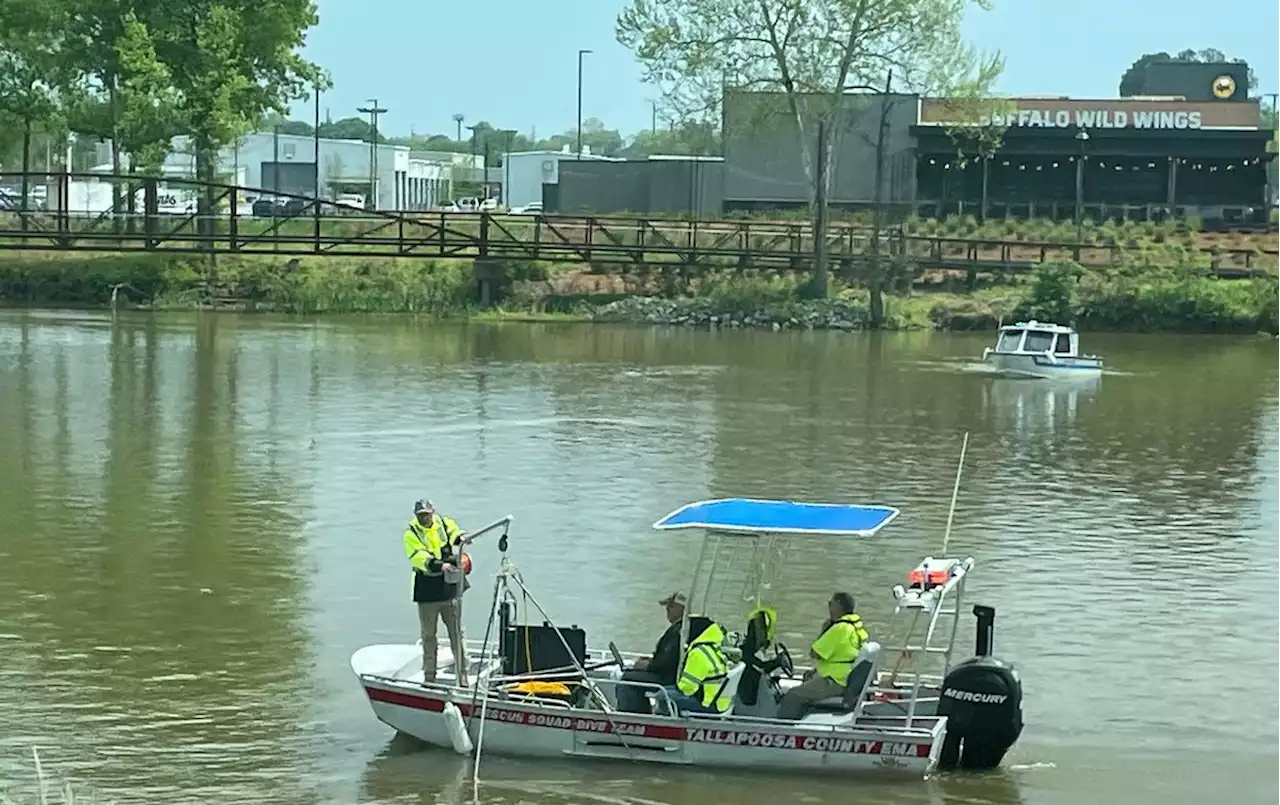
(510, 135)
(581, 53)
(372, 110)
(457, 121)
(1082, 137)
(475, 142)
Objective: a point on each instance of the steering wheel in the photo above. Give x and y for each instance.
(617, 655)
(785, 663)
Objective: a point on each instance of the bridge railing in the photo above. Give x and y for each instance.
(94, 212)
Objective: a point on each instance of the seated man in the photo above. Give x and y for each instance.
(835, 650)
(661, 668)
(704, 675)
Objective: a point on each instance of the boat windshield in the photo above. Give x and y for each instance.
(1009, 341)
(1038, 341)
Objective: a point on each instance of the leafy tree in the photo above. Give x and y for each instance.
(29, 36)
(231, 62)
(1131, 81)
(805, 52)
(690, 138)
(145, 99)
(94, 28)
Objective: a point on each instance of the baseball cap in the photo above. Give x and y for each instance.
(422, 506)
(674, 598)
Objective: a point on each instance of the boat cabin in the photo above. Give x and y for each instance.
(1038, 338)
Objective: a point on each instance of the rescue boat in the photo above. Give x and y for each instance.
(540, 690)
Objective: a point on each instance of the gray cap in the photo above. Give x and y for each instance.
(423, 506)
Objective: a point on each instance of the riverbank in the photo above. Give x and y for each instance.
(1164, 290)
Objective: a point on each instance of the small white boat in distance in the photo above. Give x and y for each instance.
(1040, 349)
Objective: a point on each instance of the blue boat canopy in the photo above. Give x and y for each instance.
(746, 516)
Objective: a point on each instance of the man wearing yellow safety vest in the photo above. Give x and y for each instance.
(432, 544)
(700, 685)
(835, 651)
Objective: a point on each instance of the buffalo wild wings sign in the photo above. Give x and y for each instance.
(1120, 114)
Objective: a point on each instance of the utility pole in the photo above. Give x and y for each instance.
(275, 162)
(315, 172)
(581, 53)
(372, 110)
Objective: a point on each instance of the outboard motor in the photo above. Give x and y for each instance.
(982, 700)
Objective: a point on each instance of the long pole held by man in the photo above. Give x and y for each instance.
(434, 545)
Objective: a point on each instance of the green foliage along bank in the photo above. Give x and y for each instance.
(255, 282)
(1148, 292)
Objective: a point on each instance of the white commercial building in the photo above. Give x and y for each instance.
(286, 163)
(526, 172)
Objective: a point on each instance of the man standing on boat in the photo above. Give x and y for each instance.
(835, 651)
(660, 669)
(432, 543)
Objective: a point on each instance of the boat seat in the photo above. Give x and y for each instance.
(864, 668)
(731, 686)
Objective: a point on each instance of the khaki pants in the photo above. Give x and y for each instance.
(430, 613)
(797, 700)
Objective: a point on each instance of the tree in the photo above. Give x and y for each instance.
(689, 138)
(231, 61)
(29, 38)
(806, 52)
(1131, 81)
(146, 99)
(350, 128)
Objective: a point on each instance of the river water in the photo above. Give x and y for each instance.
(200, 520)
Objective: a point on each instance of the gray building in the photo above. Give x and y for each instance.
(764, 165)
(534, 176)
(659, 184)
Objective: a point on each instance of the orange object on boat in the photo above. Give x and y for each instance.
(926, 576)
(465, 563)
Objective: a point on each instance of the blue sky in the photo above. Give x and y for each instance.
(515, 63)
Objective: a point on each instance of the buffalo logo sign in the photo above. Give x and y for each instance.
(1224, 86)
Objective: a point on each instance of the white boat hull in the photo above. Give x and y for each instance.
(820, 744)
(1040, 366)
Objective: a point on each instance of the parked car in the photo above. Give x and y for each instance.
(350, 203)
(533, 208)
(448, 206)
(467, 204)
(489, 205)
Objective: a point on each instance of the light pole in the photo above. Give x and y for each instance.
(581, 53)
(372, 110)
(457, 121)
(475, 142)
(1082, 137)
(510, 135)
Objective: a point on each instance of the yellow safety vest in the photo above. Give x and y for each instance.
(425, 549)
(705, 672)
(837, 648)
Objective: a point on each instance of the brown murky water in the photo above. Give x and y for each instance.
(200, 521)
